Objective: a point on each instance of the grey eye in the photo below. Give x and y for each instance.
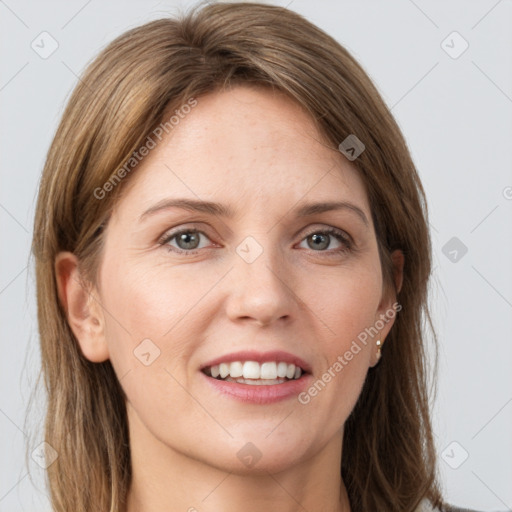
(187, 240)
(318, 241)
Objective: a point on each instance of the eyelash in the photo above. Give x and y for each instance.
(339, 235)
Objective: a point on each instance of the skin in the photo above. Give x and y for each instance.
(261, 154)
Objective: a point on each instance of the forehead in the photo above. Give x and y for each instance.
(250, 148)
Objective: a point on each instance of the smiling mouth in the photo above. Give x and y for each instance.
(255, 374)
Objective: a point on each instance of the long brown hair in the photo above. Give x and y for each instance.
(389, 458)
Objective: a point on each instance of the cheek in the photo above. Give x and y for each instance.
(157, 304)
(346, 308)
(154, 323)
(346, 302)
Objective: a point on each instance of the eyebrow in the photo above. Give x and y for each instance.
(221, 210)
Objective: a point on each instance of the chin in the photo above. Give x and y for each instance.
(257, 455)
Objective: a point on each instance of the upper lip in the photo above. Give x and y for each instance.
(260, 357)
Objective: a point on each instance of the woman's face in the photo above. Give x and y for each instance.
(256, 277)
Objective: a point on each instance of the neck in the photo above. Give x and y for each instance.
(165, 479)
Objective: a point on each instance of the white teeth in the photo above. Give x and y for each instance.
(282, 369)
(270, 372)
(236, 369)
(251, 370)
(257, 382)
(224, 370)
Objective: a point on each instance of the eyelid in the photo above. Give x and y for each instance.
(326, 227)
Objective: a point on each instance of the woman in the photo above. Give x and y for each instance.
(232, 265)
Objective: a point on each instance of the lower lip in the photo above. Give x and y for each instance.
(260, 394)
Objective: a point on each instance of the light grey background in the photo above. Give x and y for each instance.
(456, 114)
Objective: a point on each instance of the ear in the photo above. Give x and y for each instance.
(83, 309)
(388, 310)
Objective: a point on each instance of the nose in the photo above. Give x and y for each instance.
(261, 291)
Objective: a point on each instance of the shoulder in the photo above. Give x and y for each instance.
(453, 508)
